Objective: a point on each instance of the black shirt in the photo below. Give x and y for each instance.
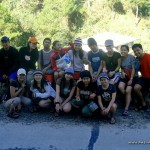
(28, 65)
(85, 92)
(9, 60)
(111, 62)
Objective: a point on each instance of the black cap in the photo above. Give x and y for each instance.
(5, 39)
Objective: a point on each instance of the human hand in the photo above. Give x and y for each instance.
(57, 107)
(111, 73)
(92, 96)
(123, 74)
(5, 76)
(129, 82)
(78, 98)
(27, 58)
(44, 70)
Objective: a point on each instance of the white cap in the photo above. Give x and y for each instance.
(21, 71)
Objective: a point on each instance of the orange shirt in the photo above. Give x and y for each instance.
(145, 65)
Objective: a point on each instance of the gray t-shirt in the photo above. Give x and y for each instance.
(76, 62)
(46, 57)
(127, 62)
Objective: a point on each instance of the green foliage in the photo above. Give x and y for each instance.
(58, 19)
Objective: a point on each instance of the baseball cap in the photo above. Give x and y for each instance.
(37, 72)
(32, 40)
(21, 71)
(5, 39)
(109, 42)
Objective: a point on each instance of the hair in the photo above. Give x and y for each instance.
(43, 82)
(47, 39)
(63, 83)
(91, 41)
(54, 44)
(28, 46)
(137, 46)
(80, 53)
(126, 46)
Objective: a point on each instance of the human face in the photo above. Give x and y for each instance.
(77, 47)
(46, 44)
(21, 77)
(68, 76)
(33, 45)
(5, 44)
(38, 77)
(124, 51)
(138, 52)
(58, 46)
(109, 49)
(86, 80)
(93, 47)
(104, 81)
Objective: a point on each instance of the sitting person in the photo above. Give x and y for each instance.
(78, 58)
(129, 76)
(86, 95)
(111, 62)
(18, 95)
(106, 97)
(57, 59)
(95, 57)
(144, 81)
(65, 88)
(43, 94)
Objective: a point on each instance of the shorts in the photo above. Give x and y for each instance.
(144, 82)
(134, 81)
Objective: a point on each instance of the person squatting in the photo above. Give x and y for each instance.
(61, 84)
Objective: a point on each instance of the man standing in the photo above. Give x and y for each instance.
(44, 63)
(144, 80)
(9, 60)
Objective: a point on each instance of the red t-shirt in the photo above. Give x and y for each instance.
(145, 65)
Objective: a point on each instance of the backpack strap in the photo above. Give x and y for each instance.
(42, 61)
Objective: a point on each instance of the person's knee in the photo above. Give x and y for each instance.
(128, 91)
(137, 88)
(86, 112)
(67, 108)
(27, 102)
(113, 108)
(42, 104)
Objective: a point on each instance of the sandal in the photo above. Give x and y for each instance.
(125, 113)
(56, 114)
(112, 121)
(13, 115)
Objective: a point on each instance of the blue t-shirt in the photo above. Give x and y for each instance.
(106, 94)
(95, 59)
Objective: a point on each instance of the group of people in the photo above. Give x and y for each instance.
(60, 83)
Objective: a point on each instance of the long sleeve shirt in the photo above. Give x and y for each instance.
(9, 60)
(28, 64)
